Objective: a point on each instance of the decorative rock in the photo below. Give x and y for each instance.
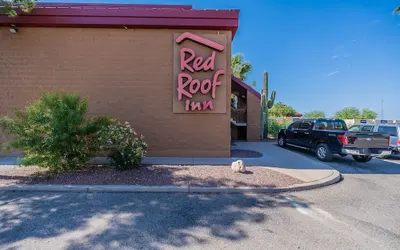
(238, 166)
(235, 167)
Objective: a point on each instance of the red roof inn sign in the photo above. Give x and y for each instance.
(199, 73)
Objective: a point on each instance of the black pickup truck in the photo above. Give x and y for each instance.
(330, 136)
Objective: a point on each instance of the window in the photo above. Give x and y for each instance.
(392, 130)
(355, 128)
(330, 125)
(367, 128)
(305, 125)
(294, 126)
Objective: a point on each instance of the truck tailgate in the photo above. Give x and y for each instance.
(367, 140)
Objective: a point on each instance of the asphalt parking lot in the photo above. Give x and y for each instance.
(360, 212)
(347, 165)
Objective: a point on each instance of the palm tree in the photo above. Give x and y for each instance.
(397, 10)
(240, 68)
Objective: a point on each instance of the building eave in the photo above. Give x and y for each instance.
(125, 15)
(246, 86)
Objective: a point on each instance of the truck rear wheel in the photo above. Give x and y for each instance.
(323, 152)
(362, 158)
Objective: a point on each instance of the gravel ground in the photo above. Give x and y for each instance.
(212, 176)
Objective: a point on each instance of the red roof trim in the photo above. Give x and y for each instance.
(117, 22)
(158, 6)
(246, 86)
(119, 15)
(132, 12)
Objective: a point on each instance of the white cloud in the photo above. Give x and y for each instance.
(334, 57)
(333, 73)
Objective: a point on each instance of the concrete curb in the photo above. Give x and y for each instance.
(45, 188)
(333, 178)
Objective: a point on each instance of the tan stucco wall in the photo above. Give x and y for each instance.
(125, 74)
(253, 117)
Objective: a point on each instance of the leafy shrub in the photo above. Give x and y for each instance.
(54, 132)
(274, 126)
(125, 149)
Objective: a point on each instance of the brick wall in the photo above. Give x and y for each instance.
(253, 117)
(126, 74)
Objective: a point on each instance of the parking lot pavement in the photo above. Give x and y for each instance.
(347, 165)
(360, 212)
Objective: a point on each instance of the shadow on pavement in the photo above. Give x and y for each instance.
(347, 165)
(136, 221)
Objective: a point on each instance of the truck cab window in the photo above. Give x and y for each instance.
(321, 125)
(367, 128)
(294, 126)
(330, 125)
(355, 128)
(388, 129)
(305, 125)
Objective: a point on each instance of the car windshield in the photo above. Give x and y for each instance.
(392, 130)
(330, 125)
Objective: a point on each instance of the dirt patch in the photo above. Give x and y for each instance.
(151, 175)
(242, 153)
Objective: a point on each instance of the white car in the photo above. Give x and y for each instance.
(392, 129)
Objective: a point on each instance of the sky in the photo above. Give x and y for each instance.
(320, 55)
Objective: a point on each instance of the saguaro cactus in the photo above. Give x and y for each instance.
(266, 105)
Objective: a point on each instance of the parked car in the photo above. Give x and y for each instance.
(392, 129)
(330, 136)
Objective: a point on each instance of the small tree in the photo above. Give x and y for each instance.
(282, 110)
(55, 132)
(315, 114)
(355, 113)
(8, 7)
(348, 113)
(367, 114)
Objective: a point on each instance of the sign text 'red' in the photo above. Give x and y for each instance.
(188, 85)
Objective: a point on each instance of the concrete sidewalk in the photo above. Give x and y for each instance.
(274, 157)
(288, 162)
(313, 173)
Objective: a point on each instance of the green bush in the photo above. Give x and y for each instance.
(55, 132)
(125, 149)
(274, 126)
